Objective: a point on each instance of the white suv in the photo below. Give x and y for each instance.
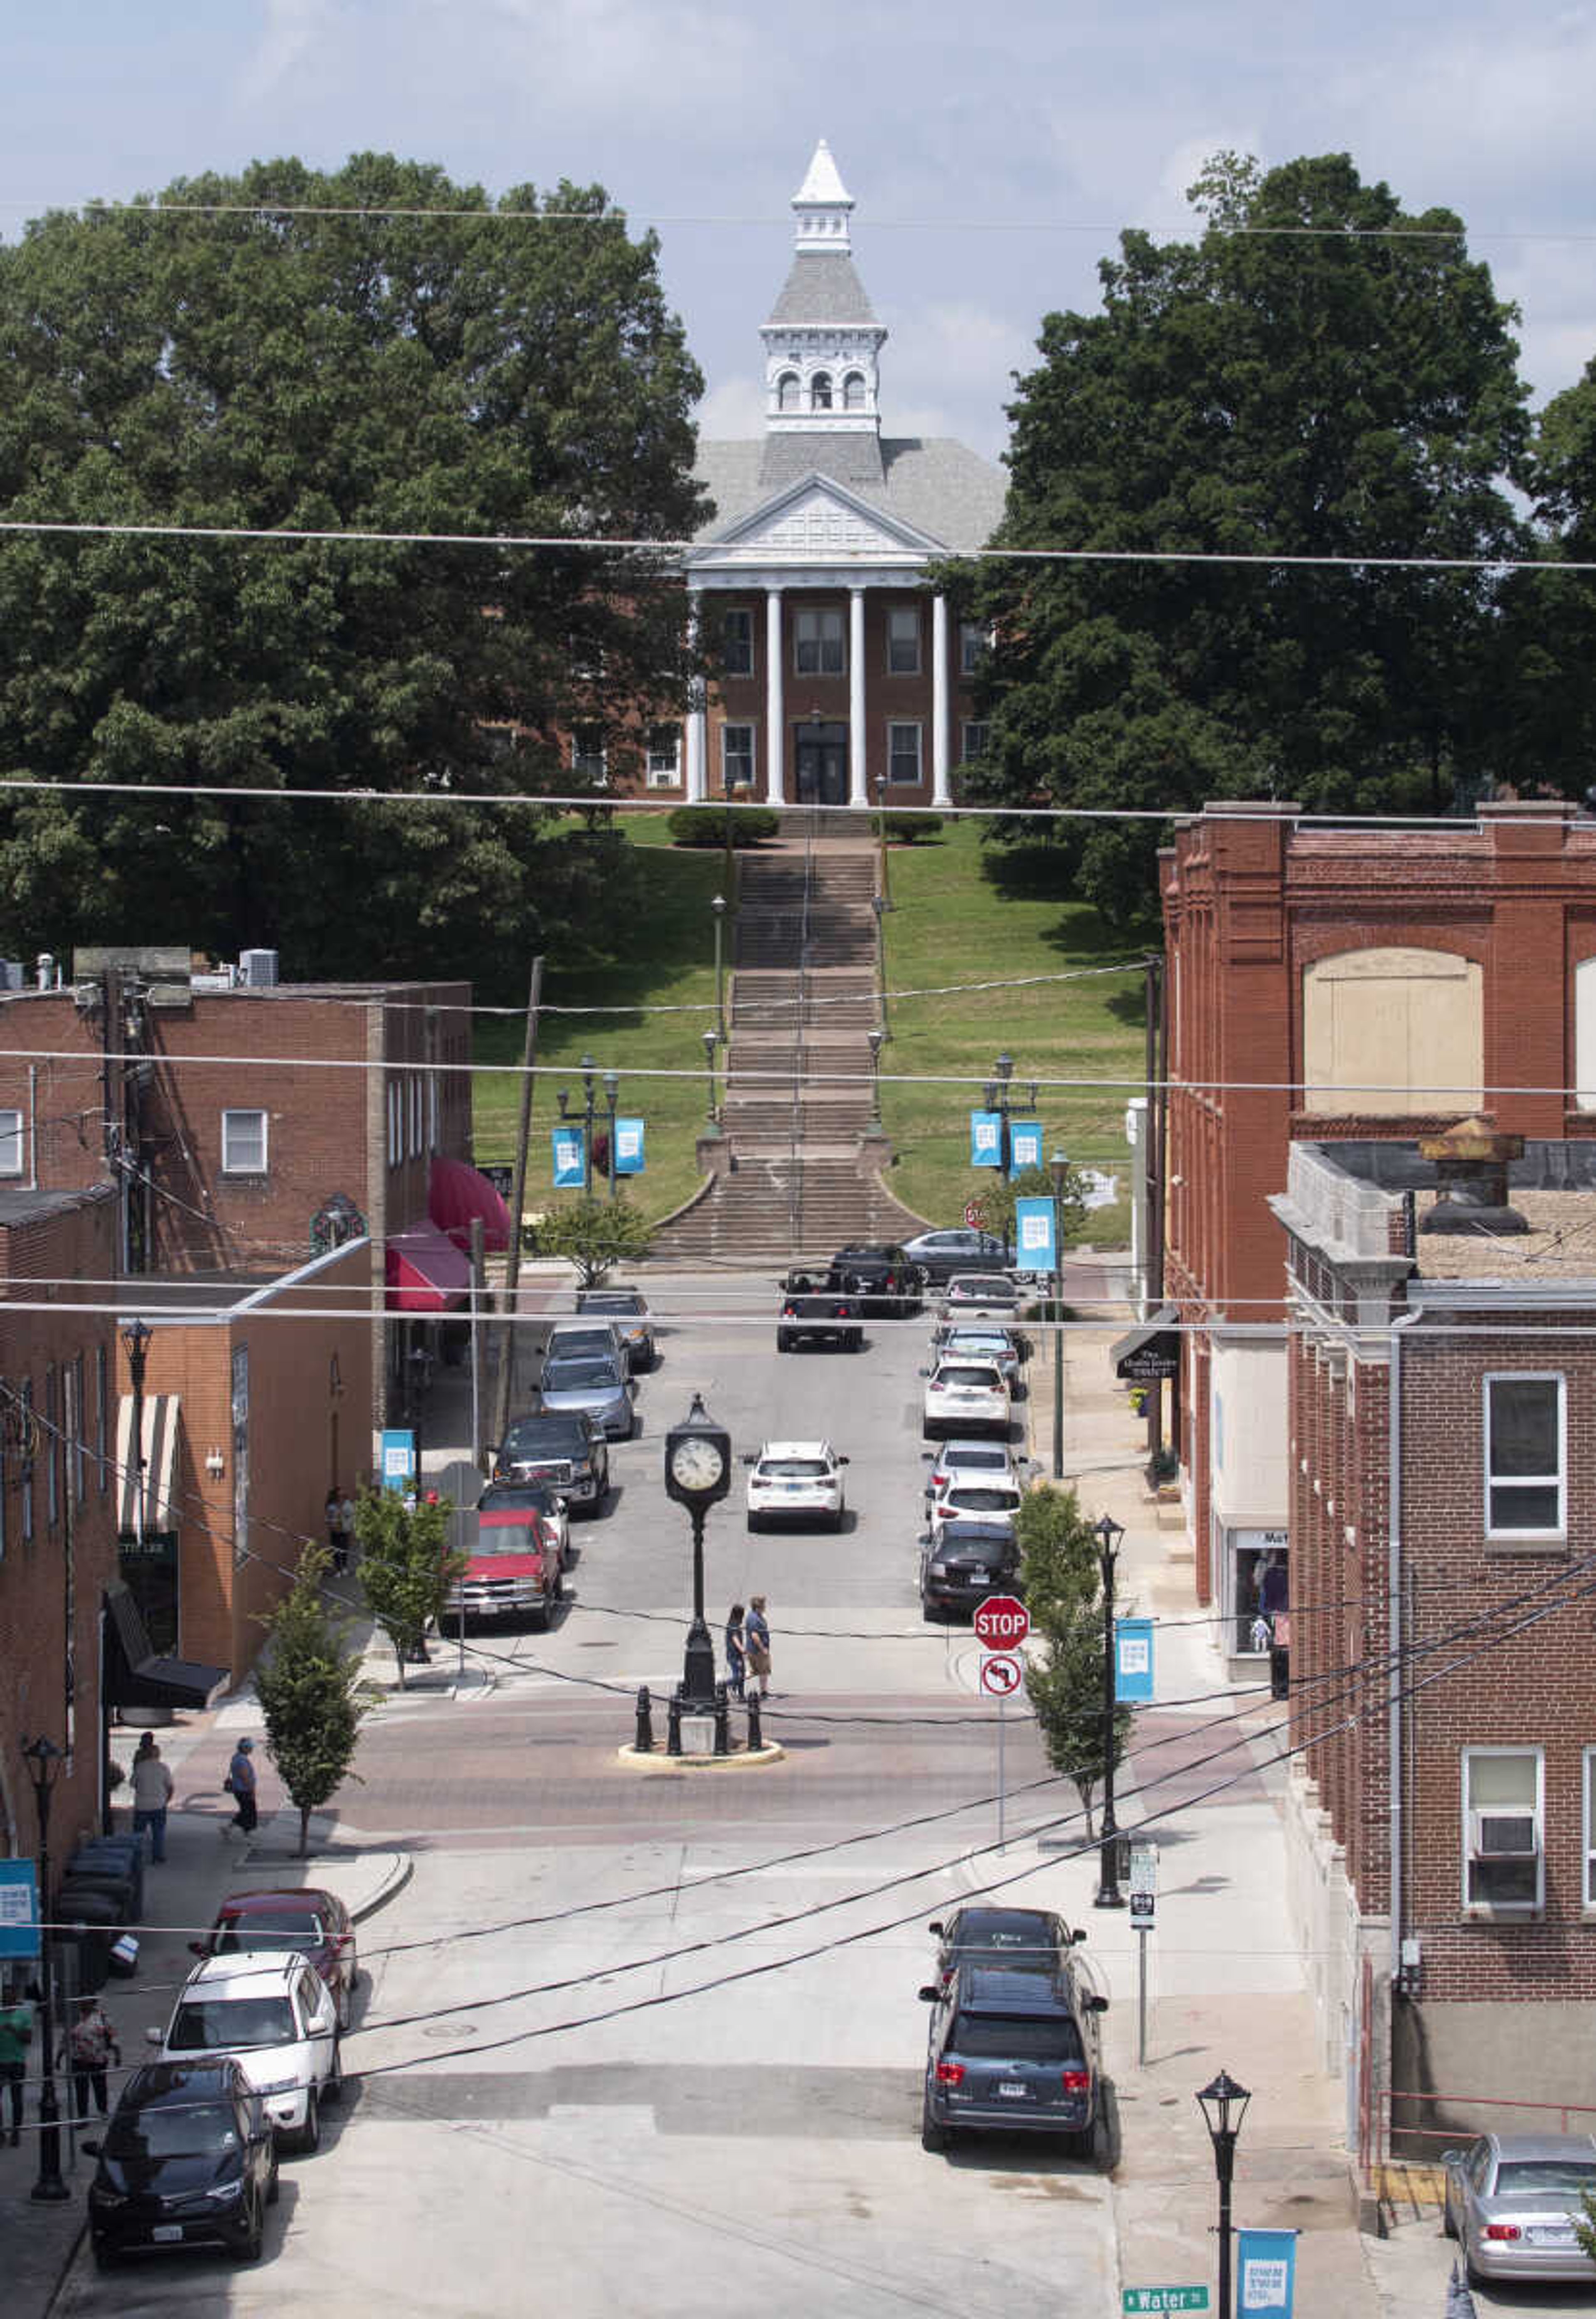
(276, 2016)
(965, 1397)
(796, 1481)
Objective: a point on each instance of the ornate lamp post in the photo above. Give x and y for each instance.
(879, 904)
(697, 1476)
(1223, 2105)
(875, 1038)
(1059, 1170)
(612, 1091)
(881, 840)
(44, 1759)
(717, 906)
(709, 1043)
(587, 1067)
(1004, 1071)
(1108, 1533)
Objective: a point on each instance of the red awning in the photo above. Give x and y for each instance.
(456, 1194)
(426, 1272)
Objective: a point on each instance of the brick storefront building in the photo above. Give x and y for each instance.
(1325, 983)
(1443, 1521)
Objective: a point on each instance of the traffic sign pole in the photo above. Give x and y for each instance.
(1002, 1776)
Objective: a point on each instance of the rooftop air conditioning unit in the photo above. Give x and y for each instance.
(257, 970)
(1503, 1835)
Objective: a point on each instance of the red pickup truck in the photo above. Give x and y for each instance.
(512, 1566)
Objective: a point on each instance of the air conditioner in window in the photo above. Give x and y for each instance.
(1503, 1835)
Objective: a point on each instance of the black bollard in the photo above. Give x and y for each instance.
(755, 1738)
(722, 1731)
(643, 1740)
(673, 1724)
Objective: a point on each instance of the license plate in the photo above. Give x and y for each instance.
(164, 2233)
(1014, 2093)
(1551, 2236)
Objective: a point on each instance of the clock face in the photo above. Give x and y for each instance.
(696, 1464)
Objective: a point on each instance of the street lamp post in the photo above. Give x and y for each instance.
(135, 1340)
(879, 904)
(710, 1068)
(587, 1067)
(1003, 1068)
(882, 839)
(1108, 1533)
(875, 1038)
(1060, 1168)
(44, 1760)
(718, 906)
(612, 1091)
(1223, 2105)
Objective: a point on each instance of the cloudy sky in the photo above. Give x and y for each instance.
(994, 153)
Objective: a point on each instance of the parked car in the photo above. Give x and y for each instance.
(542, 1501)
(1513, 2200)
(962, 1340)
(988, 1498)
(818, 1319)
(276, 2018)
(965, 1397)
(974, 1455)
(597, 1384)
(627, 1310)
(970, 1560)
(188, 2159)
(992, 1292)
(304, 1920)
(962, 1248)
(879, 1273)
(1020, 1940)
(513, 1567)
(597, 1337)
(564, 1451)
(1013, 2051)
(797, 1482)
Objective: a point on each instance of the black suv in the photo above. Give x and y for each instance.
(968, 1561)
(188, 2159)
(884, 1276)
(564, 1451)
(1013, 2051)
(1020, 1940)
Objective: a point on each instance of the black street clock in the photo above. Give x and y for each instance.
(697, 1460)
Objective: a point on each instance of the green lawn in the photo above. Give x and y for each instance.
(960, 916)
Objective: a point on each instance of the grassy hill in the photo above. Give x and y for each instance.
(996, 924)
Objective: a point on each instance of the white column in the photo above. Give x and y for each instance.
(775, 705)
(857, 786)
(697, 720)
(941, 792)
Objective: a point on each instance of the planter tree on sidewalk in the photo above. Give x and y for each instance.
(595, 1235)
(1064, 1595)
(405, 1566)
(312, 1697)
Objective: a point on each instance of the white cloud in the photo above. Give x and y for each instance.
(292, 29)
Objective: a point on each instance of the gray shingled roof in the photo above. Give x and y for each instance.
(822, 287)
(939, 486)
(851, 457)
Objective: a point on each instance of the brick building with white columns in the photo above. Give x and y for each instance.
(844, 679)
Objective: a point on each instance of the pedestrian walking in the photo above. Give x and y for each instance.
(152, 1794)
(16, 2035)
(736, 1654)
(346, 1546)
(239, 1783)
(91, 2045)
(756, 1635)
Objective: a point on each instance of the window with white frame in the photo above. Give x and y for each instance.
(432, 1110)
(736, 756)
(588, 760)
(737, 641)
(786, 391)
(1590, 1882)
(817, 646)
(30, 1432)
(903, 753)
(395, 1122)
(1524, 1454)
(820, 391)
(415, 1114)
(243, 1143)
(974, 642)
(1503, 1816)
(853, 391)
(903, 640)
(11, 1143)
(664, 765)
(974, 741)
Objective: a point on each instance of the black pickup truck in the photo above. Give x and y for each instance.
(817, 1314)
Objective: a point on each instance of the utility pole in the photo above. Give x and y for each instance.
(512, 1259)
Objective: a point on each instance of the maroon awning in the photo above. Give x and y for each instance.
(426, 1272)
(457, 1193)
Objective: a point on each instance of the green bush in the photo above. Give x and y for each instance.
(913, 828)
(706, 824)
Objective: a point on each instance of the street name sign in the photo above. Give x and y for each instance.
(1001, 1674)
(1133, 2299)
(1002, 1621)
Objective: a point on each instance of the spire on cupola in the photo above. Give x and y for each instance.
(822, 206)
(823, 341)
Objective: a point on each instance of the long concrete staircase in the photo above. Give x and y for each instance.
(797, 1169)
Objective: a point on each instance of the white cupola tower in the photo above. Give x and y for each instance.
(823, 341)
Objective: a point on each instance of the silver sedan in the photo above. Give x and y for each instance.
(1514, 2200)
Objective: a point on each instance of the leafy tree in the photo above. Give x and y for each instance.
(1320, 373)
(233, 360)
(308, 1682)
(405, 1567)
(595, 1235)
(1064, 1595)
(995, 1198)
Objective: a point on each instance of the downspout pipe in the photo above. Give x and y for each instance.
(1396, 1640)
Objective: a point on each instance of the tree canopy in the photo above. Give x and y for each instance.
(311, 1693)
(225, 357)
(1320, 375)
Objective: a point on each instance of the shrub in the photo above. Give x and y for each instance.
(913, 828)
(712, 825)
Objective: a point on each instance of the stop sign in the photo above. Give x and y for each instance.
(1001, 1621)
(973, 1212)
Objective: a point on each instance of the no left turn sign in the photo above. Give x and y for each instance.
(1001, 1674)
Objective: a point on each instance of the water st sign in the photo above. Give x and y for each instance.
(1162, 2298)
(1034, 1246)
(986, 1139)
(566, 1143)
(1133, 1660)
(19, 1910)
(629, 1147)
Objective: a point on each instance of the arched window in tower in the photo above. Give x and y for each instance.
(786, 391)
(854, 392)
(820, 391)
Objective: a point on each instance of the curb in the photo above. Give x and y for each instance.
(747, 1759)
(399, 1875)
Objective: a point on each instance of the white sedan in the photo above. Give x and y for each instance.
(965, 1397)
(795, 1482)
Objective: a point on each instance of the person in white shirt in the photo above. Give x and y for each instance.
(152, 1793)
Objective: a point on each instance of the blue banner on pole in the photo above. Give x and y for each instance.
(1133, 1659)
(1033, 1236)
(629, 1147)
(1025, 1145)
(569, 1170)
(986, 1139)
(399, 1458)
(1266, 2273)
(19, 1910)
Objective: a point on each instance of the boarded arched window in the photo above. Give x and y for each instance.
(1386, 1032)
(786, 391)
(854, 392)
(820, 391)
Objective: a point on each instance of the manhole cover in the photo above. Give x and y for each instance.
(444, 2030)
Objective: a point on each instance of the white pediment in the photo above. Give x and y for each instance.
(818, 521)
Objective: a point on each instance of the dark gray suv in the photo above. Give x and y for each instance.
(1013, 2051)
